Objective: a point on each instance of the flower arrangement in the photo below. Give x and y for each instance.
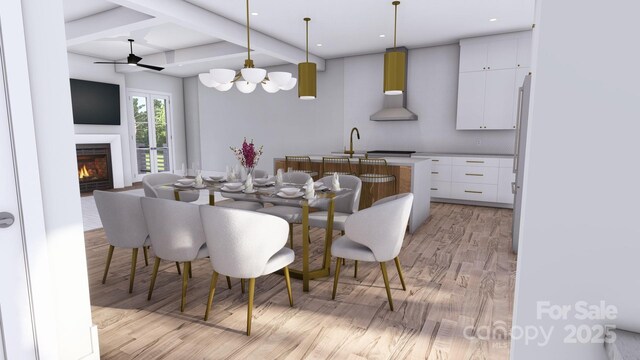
(247, 155)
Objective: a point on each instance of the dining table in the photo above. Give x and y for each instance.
(268, 194)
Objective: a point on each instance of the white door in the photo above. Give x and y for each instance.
(471, 89)
(16, 328)
(499, 99)
(150, 115)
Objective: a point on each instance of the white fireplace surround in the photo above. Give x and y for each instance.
(117, 168)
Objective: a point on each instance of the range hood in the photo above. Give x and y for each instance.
(394, 107)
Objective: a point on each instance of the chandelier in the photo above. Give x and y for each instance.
(247, 79)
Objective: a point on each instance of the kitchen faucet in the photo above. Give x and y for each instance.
(351, 152)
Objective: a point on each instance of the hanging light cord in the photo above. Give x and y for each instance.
(248, 37)
(395, 23)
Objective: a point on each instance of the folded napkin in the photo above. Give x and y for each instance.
(335, 182)
(248, 184)
(279, 177)
(199, 179)
(309, 191)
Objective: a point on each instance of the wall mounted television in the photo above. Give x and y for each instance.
(95, 103)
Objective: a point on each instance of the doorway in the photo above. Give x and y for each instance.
(150, 118)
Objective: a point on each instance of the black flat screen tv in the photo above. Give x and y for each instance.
(95, 103)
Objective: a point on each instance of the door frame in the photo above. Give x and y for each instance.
(132, 128)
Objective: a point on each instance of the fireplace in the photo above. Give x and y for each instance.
(94, 167)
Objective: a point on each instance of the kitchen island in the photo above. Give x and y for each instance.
(412, 175)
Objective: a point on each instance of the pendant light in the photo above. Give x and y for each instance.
(394, 64)
(247, 79)
(307, 74)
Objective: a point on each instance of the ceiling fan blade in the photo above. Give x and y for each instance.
(157, 68)
(110, 62)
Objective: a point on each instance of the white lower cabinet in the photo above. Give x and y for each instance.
(472, 178)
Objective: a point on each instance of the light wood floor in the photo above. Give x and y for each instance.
(459, 270)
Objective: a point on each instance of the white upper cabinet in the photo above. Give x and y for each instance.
(492, 69)
(502, 54)
(473, 56)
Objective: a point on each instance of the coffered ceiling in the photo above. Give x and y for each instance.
(178, 33)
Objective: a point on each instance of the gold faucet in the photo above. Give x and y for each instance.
(351, 152)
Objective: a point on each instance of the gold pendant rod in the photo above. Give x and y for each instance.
(307, 23)
(395, 22)
(248, 37)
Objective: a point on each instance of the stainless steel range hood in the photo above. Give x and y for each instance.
(394, 107)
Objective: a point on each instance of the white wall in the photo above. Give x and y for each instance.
(82, 67)
(192, 119)
(51, 100)
(579, 231)
(280, 122)
(432, 94)
(157, 82)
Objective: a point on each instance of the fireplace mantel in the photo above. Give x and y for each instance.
(117, 167)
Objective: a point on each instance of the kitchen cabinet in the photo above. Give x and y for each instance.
(490, 74)
(474, 179)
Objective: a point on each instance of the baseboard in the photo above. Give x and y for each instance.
(95, 345)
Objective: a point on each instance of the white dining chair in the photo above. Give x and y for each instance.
(124, 226)
(375, 234)
(150, 184)
(176, 234)
(259, 174)
(245, 245)
(291, 214)
(343, 206)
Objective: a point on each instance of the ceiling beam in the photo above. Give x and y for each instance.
(198, 19)
(191, 55)
(107, 24)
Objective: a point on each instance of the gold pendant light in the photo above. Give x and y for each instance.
(395, 64)
(307, 74)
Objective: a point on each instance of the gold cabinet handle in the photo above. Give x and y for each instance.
(435, 172)
(475, 161)
(473, 192)
(434, 160)
(472, 174)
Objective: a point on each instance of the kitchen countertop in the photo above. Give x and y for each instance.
(427, 154)
(395, 161)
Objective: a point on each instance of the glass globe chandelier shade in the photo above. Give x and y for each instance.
(224, 87)
(280, 78)
(207, 80)
(222, 76)
(245, 86)
(253, 75)
(270, 86)
(290, 85)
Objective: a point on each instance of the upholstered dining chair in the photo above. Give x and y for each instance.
(151, 181)
(258, 174)
(375, 234)
(124, 225)
(245, 245)
(176, 234)
(291, 214)
(344, 206)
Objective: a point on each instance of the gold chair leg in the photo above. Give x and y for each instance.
(146, 256)
(287, 280)
(335, 279)
(134, 259)
(212, 290)
(383, 266)
(154, 274)
(291, 236)
(178, 267)
(342, 232)
(344, 262)
(355, 269)
(185, 280)
(229, 282)
(242, 285)
(190, 273)
(106, 268)
(397, 260)
(252, 284)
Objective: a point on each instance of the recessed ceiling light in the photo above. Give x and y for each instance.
(318, 45)
(493, 19)
(382, 35)
(254, 13)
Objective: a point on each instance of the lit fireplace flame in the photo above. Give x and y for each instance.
(83, 173)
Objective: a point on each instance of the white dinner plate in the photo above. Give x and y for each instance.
(224, 188)
(203, 186)
(318, 188)
(216, 180)
(182, 185)
(283, 195)
(250, 192)
(265, 184)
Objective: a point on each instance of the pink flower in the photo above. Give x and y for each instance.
(247, 154)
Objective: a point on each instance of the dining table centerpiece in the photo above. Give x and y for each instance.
(247, 155)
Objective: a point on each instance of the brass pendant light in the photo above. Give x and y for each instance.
(307, 74)
(395, 64)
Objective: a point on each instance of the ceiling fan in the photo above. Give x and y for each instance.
(132, 60)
